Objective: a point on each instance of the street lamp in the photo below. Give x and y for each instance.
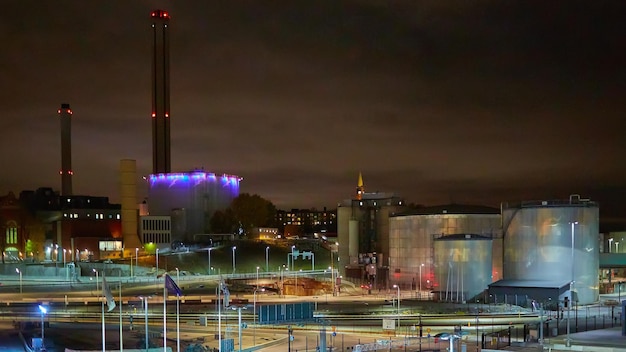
(97, 287)
(293, 264)
(19, 272)
(568, 341)
(136, 259)
(257, 277)
(420, 284)
(209, 251)
(43, 311)
(234, 264)
(267, 259)
(64, 253)
(145, 311)
(157, 262)
(398, 288)
(610, 244)
(254, 313)
(616, 247)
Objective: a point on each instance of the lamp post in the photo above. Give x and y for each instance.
(267, 259)
(420, 284)
(616, 247)
(209, 251)
(254, 314)
(293, 264)
(398, 288)
(257, 277)
(19, 272)
(97, 287)
(136, 259)
(234, 262)
(145, 314)
(43, 311)
(568, 341)
(64, 253)
(610, 244)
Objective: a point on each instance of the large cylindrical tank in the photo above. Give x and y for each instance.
(199, 193)
(553, 241)
(411, 237)
(462, 266)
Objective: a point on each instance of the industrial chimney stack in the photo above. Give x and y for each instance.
(160, 92)
(65, 114)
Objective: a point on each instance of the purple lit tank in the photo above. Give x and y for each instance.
(195, 196)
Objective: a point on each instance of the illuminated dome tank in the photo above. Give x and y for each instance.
(553, 241)
(191, 199)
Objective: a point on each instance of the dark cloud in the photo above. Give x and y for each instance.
(437, 101)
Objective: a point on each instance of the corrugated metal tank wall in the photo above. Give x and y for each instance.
(462, 266)
(538, 246)
(200, 194)
(411, 241)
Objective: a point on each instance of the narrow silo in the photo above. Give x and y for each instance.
(553, 241)
(462, 266)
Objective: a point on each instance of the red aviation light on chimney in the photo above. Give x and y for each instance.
(153, 115)
(167, 114)
(160, 14)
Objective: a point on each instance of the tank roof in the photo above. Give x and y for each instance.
(461, 237)
(574, 201)
(451, 209)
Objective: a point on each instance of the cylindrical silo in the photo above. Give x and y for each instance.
(128, 195)
(353, 239)
(462, 266)
(411, 238)
(553, 241)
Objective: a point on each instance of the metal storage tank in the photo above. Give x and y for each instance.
(462, 266)
(553, 241)
(199, 193)
(411, 238)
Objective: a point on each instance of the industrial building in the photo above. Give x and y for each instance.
(363, 234)
(189, 199)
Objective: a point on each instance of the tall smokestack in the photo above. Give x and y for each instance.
(128, 195)
(65, 114)
(160, 92)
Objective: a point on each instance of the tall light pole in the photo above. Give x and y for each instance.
(267, 259)
(97, 287)
(257, 277)
(610, 244)
(145, 314)
(209, 251)
(234, 263)
(398, 288)
(43, 311)
(157, 262)
(293, 264)
(136, 259)
(254, 314)
(420, 285)
(64, 253)
(571, 290)
(19, 272)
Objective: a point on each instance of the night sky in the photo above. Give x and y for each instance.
(437, 101)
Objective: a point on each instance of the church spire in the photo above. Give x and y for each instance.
(360, 187)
